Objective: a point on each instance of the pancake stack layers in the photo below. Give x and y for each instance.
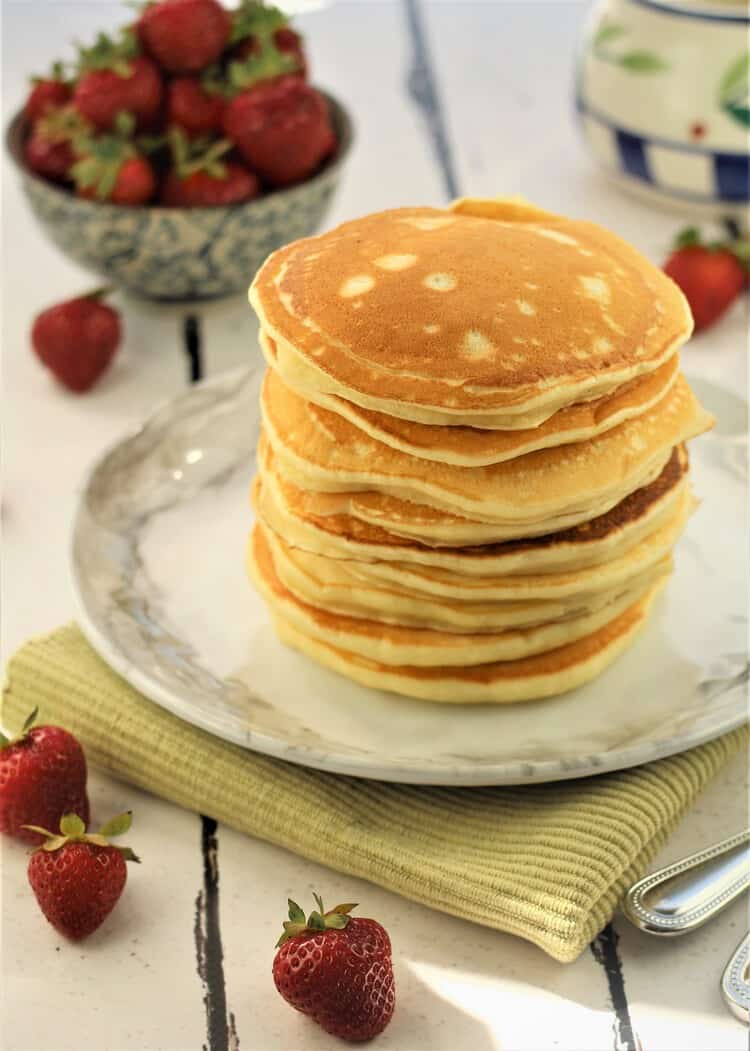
(472, 468)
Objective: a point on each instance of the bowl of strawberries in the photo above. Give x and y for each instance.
(172, 158)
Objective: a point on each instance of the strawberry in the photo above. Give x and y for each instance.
(110, 167)
(78, 877)
(47, 92)
(50, 148)
(184, 36)
(204, 190)
(201, 178)
(42, 777)
(254, 26)
(286, 41)
(115, 78)
(194, 109)
(51, 159)
(282, 130)
(337, 969)
(711, 276)
(76, 340)
(132, 183)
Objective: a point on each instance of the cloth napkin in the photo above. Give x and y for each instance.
(546, 862)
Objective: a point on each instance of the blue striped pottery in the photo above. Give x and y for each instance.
(663, 94)
(181, 253)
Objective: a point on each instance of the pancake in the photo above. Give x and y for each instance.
(343, 587)
(450, 318)
(472, 468)
(591, 580)
(501, 682)
(420, 524)
(288, 511)
(432, 527)
(401, 645)
(472, 447)
(540, 492)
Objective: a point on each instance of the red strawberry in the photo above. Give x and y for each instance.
(51, 159)
(110, 168)
(134, 183)
(710, 276)
(76, 340)
(337, 969)
(192, 108)
(184, 36)
(203, 190)
(47, 92)
(202, 178)
(282, 130)
(49, 149)
(115, 78)
(78, 878)
(42, 777)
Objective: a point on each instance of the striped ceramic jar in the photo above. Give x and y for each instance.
(663, 94)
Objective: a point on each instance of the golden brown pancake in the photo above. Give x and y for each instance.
(290, 512)
(448, 318)
(421, 647)
(472, 468)
(501, 682)
(583, 581)
(540, 492)
(347, 588)
(472, 447)
(433, 527)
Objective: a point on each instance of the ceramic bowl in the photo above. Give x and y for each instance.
(180, 253)
(663, 91)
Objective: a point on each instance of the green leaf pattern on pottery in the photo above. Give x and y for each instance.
(734, 90)
(637, 60)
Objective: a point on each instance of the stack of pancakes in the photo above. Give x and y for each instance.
(472, 469)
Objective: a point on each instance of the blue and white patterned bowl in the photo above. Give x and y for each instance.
(181, 253)
(663, 92)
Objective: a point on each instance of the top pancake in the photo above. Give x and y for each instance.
(444, 317)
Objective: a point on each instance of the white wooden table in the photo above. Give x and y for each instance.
(500, 75)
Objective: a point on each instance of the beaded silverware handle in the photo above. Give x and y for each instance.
(686, 894)
(734, 982)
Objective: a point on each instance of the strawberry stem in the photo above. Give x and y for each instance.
(739, 246)
(6, 742)
(98, 293)
(57, 73)
(102, 156)
(318, 920)
(73, 830)
(106, 53)
(267, 64)
(194, 155)
(254, 19)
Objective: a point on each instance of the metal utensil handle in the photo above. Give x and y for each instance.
(734, 985)
(686, 894)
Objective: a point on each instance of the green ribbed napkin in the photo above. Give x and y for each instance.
(546, 862)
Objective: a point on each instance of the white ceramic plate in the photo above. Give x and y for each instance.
(158, 567)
